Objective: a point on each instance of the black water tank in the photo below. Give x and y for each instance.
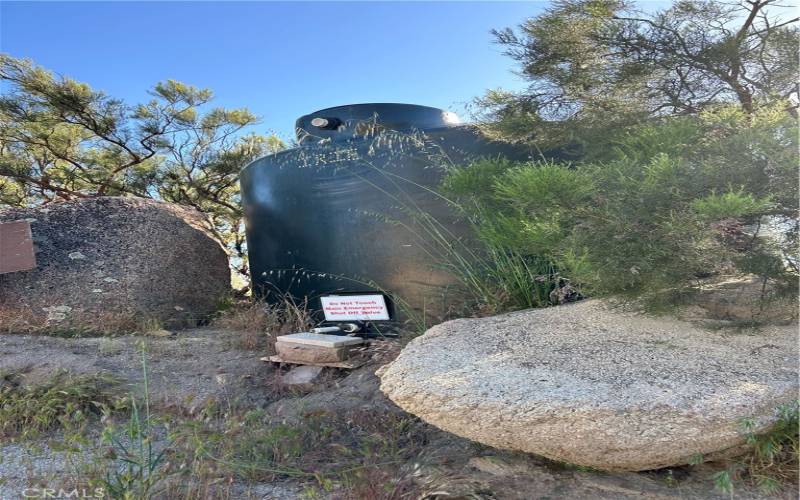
(340, 212)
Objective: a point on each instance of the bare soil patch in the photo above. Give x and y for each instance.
(193, 368)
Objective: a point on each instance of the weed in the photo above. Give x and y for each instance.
(26, 321)
(63, 401)
(20, 320)
(110, 346)
(351, 454)
(492, 276)
(137, 464)
(773, 461)
(147, 325)
(260, 322)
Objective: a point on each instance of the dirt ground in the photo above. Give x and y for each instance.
(193, 366)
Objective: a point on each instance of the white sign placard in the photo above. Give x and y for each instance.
(355, 308)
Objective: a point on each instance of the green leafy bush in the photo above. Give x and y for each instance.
(654, 210)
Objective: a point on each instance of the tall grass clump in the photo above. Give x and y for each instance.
(491, 276)
(774, 460)
(137, 465)
(259, 321)
(62, 402)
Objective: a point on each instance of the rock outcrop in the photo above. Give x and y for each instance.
(741, 300)
(113, 264)
(594, 386)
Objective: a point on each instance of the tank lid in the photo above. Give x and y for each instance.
(353, 120)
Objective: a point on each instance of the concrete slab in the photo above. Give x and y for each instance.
(319, 339)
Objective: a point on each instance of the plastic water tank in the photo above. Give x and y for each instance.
(341, 211)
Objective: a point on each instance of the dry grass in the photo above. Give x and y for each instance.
(20, 320)
(260, 322)
(64, 401)
(350, 455)
(28, 321)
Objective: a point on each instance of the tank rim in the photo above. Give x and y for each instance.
(361, 104)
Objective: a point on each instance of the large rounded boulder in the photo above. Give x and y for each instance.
(114, 264)
(595, 386)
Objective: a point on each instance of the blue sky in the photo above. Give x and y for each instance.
(281, 60)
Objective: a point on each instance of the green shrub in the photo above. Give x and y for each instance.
(655, 210)
(730, 205)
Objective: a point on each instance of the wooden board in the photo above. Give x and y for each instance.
(16, 247)
(341, 364)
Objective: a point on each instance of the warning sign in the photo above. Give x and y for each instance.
(355, 308)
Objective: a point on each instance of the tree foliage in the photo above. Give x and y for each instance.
(60, 140)
(596, 64)
(682, 128)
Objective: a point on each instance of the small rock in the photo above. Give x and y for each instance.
(57, 313)
(302, 376)
(160, 333)
(493, 465)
